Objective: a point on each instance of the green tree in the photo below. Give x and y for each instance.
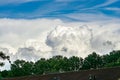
(112, 57)
(6, 73)
(22, 68)
(75, 63)
(3, 57)
(41, 66)
(64, 64)
(93, 61)
(28, 68)
(56, 63)
(17, 69)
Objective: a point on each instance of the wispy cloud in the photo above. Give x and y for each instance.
(66, 0)
(108, 2)
(56, 8)
(92, 17)
(4, 2)
(113, 8)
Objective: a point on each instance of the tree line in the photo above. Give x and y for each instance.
(60, 64)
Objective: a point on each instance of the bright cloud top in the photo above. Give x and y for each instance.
(44, 38)
(70, 40)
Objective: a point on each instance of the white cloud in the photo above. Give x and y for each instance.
(16, 32)
(113, 8)
(108, 2)
(90, 17)
(26, 39)
(71, 40)
(82, 41)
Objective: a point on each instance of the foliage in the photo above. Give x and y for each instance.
(3, 57)
(93, 61)
(41, 66)
(58, 64)
(22, 68)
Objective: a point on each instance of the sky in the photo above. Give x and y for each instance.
(62, 9)
(32, 29)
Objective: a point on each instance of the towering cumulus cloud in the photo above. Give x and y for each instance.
(70, 40)
(47, 40)
(83, 40)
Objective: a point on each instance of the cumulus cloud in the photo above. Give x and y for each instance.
(106, 37)
(16, 32)
(33, 39)
(33, 50)
(83, 40)
(18, 35)
(71, 40)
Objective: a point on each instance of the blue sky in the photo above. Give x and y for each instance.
(62, 9)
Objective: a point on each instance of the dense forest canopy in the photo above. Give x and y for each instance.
(60, 64)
